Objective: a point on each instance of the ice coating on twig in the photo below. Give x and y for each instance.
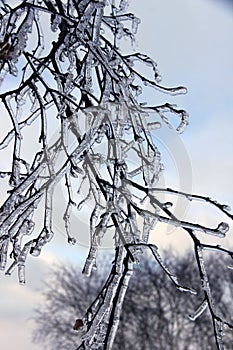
(104, 150)
(199, 311)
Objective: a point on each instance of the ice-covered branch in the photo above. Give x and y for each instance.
(78, 94)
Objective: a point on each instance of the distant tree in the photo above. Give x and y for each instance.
(70, 80)
(154, 314)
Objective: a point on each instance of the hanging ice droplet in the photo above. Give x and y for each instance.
(226, 207)
(167, 205)
(223, 227)
(35, 251)
(71, 240)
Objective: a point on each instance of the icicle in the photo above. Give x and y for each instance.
(135, 22)
(184, 122)
(220, 332)
(55, 21)
(3, 74)
(3, 254)
(84, 201)
(37, 244)
(11, 268)
(135, 172)
(119, 31)
(97, 22)
(22, 37)
(13, 69)
(123, 289)
(21, 273)
(123, 6)
(90, 261)
(154, 125)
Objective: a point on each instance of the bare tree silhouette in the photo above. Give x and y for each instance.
(154, 315)
(71, 77)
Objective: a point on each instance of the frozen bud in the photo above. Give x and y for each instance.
(78, 324)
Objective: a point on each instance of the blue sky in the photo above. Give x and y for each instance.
(192, 42)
